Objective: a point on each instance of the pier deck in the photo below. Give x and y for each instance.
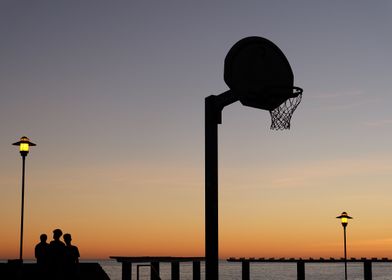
(367, 264)
(27, 271)
(154, 265)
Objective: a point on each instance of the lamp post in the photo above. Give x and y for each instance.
(24, 145)
(344, 219)
(259, 76)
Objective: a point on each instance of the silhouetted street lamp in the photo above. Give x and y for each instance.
(24, 145)
(259, 76)
(344, 219)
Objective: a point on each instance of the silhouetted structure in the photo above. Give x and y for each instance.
(29, 271)
(344, 219)
(155, 267)
(367, 264)
(24, 145)
(258, 75)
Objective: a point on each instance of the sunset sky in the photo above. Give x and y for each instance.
(112, 93)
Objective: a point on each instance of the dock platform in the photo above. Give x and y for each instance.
(367, 264)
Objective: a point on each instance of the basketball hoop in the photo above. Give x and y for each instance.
(281, 115)
(260, 76)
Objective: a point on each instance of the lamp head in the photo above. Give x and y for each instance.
(24, 145)
(344, 218)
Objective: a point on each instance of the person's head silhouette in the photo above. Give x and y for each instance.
(57, 233)
(43, 237)
(67, 238)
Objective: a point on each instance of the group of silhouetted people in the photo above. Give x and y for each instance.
(57, 260)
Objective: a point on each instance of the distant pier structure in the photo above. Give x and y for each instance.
(154, 264)
(367, 264)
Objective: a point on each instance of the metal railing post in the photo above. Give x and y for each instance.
(367, 270)
(196, 270)
(155, 271)
(301, 270)
(175, 270)
(245, 270)
(126, 271)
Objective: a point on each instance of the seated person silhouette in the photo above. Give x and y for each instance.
(71, 258)
(42, 255)
(57, 255)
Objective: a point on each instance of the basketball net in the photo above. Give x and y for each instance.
(281, 115)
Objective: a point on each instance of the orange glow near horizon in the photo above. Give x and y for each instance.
(126, 219)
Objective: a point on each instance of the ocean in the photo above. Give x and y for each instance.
(262, 271)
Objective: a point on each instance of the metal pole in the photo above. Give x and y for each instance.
(211, 189)
(22, 209)
(214, 105)
(345, 254)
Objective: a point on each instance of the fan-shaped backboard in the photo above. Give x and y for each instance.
(258, 72)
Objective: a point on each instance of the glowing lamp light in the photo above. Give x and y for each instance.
(24, 145)
(344, 218)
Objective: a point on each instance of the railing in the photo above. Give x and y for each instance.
(138, 270)
(155, 267)
(367, 264)
(154, 264)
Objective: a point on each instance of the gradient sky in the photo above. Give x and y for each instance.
(113, 94)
